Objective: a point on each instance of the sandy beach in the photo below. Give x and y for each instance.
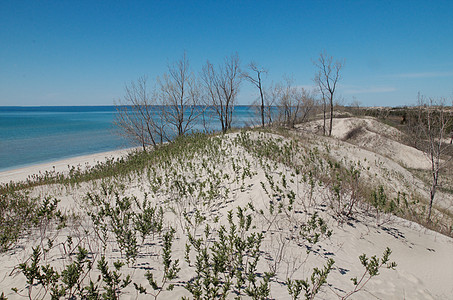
(196, 190)
(84, 161)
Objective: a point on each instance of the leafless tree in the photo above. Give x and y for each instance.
(433, 128)
(285, 103)
(137, 116)
(295, 103)
(180, 96)
(271, 97)
(256, 80)
(326, 80)
(221, 88)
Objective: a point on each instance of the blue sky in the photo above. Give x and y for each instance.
(84, 52)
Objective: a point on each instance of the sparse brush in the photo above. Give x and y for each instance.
(44, 279)
(229, 264)
(19, 214)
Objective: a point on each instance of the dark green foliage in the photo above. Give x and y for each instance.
(379, 198)
(17, 213)
(345, 187)
(114, 213)
(171, 268)
(69, 283)
(36, 274)
(149, 219)
(72, 282)
(381, 202)
(111, 212)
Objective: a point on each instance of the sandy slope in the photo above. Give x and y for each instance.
(424, 257)
(375, 136)
(379, 149)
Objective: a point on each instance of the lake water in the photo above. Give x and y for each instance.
(31, 135)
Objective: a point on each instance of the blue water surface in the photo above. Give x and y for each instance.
(31, 135)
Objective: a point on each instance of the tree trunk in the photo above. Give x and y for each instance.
(331, 116)
(262, 108)
(324, 124)
(432, 194)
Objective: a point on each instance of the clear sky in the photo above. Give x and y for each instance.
(84, 52)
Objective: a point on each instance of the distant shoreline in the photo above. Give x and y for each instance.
(61, 166)
(36, 135)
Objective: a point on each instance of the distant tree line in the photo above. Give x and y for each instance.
(153, 112)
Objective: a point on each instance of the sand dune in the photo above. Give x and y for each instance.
(424, 257)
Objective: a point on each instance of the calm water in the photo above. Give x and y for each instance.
(31, 135)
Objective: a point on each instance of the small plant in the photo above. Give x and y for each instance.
(44, 279)
(149, 220)
(372, 266)
(19, 213)
(114, 214)
(37, 276)
(314, 229)
(345, 188)
(73, 276)
(228, 263)
(112, 279)
(171, 269)
(310, 287)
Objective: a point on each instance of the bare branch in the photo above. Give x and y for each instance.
(221, 87)
(256, 79)
(180, 96)
(326, 79)
(137, 117)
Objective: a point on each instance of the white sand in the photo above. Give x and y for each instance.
(59, 166)
(377, 137)
(424, 257)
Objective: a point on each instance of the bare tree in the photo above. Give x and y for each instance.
(433, 128)
(255, 79)
(305, 101)
(271, 97)
(180, 97)
(326, 80)
(285, 103)
(137, 116)
(221, 88)
(295, 103)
